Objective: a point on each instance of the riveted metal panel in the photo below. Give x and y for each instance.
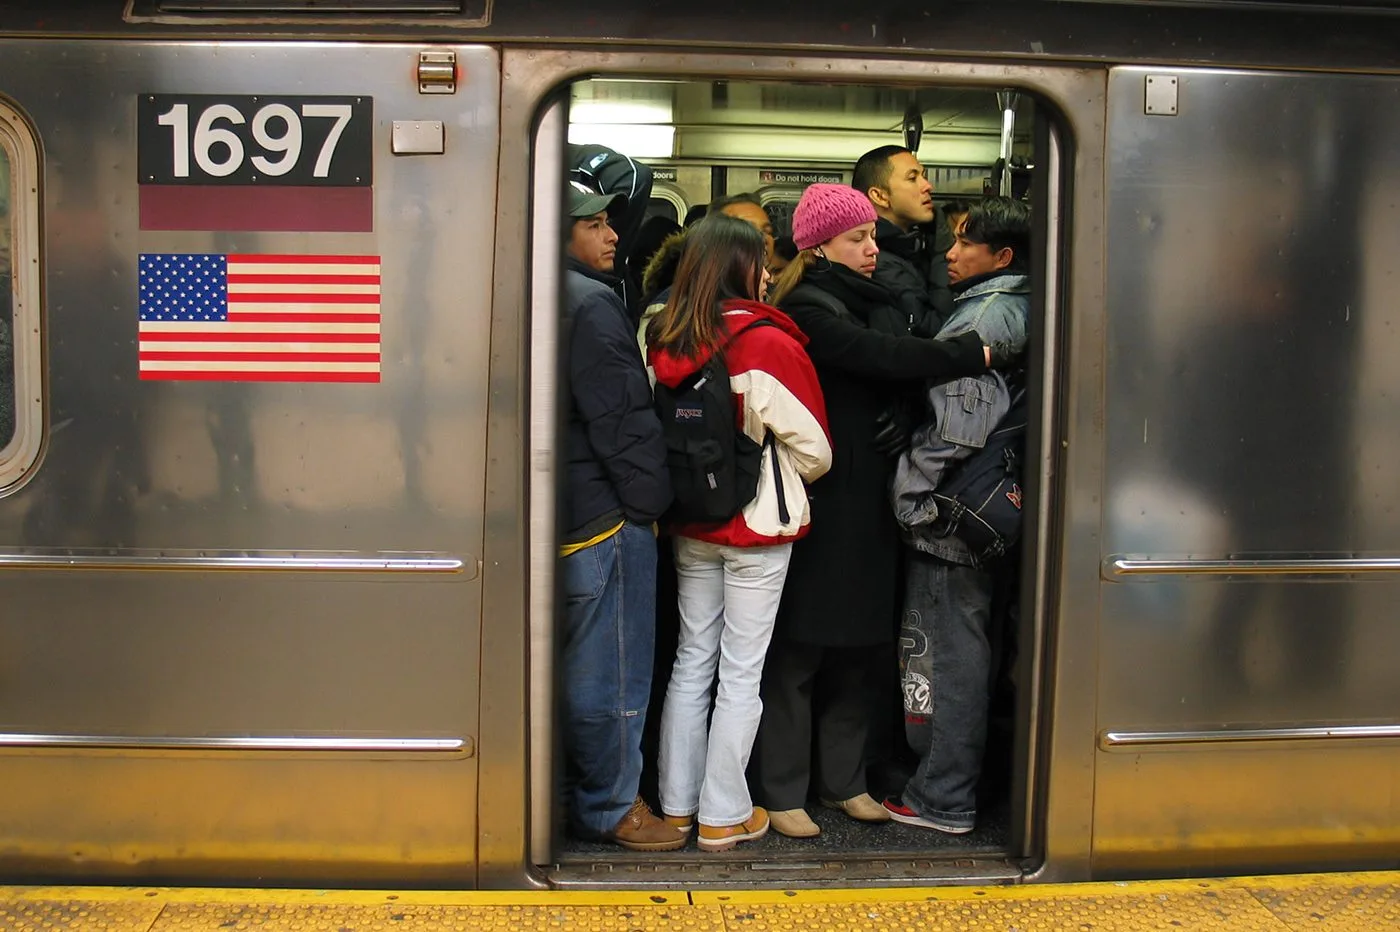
(1251, 518)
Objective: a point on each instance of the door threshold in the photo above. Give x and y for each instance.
(698, 871)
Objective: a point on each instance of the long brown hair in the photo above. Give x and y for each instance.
(790, 277)
(722, 260)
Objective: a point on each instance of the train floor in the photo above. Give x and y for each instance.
(1318, 903)
(842, 839)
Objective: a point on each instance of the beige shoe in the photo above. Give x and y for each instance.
(794, 823)
(862, 808)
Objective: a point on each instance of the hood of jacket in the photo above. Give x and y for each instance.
(661, 268)
(673, 369)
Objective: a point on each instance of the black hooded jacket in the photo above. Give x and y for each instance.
(615, 457)
(913, 266)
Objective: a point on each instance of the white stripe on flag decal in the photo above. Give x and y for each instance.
(273, 318)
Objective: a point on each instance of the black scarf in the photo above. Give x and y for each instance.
(868, 301)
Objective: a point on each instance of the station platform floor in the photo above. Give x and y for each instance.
(1315, 902)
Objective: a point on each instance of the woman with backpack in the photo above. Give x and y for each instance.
(745, 426)
(833, 649)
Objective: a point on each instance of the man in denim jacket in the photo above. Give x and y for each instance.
(946, 656)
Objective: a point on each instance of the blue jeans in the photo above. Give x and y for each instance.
(728, 605)
(609, 593)
(945, 662)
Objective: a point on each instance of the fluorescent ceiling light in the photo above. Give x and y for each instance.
(636, 140)
(620, 111)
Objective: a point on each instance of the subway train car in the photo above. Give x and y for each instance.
(280, 609)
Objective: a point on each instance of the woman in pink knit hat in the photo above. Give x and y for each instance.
(834, 643)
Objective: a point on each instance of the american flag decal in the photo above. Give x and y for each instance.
(259, 318)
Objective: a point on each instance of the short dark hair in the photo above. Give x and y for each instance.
(694, 215)
(785, 247)
(1001, 223)
(954, 207)
(746, 197)
(873, 168)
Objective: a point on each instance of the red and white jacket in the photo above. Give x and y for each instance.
(775, 388)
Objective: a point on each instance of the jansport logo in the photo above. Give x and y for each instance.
(689, 412)
(1014, 496)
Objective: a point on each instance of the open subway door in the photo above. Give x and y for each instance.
(779, 124)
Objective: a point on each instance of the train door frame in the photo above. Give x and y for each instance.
(1055, 840)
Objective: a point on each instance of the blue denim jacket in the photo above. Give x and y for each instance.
(962, 413)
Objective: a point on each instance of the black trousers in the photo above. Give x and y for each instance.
(823, 692)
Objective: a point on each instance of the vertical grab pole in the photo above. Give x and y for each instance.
(1006, 102)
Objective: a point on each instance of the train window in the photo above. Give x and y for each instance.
(21, 410)
(310, 6)
(367, 12)
(664, 207)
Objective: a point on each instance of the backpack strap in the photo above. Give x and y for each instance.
(772, 443)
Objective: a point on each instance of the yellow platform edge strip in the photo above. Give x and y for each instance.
(1026, 892)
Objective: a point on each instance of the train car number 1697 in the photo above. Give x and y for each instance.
(223, 140)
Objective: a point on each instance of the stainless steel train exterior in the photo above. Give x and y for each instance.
(300, 632)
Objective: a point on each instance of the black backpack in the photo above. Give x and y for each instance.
(980, 502)
(714, 465)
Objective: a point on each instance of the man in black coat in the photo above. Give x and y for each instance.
(616, 486)
(913, 238)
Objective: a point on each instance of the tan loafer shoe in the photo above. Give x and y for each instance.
(794, 823)
(862, 808)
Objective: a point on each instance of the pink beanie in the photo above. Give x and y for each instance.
(828, 210)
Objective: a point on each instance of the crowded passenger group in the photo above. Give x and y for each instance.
(789, 429)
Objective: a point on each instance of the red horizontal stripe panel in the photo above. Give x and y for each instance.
(219, 356)
(255, 208)
(159, 336)
(288, 259)
(240, 376)
(311, 297)
(270, 317)
(295, 279)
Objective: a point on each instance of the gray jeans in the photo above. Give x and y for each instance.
(945, 662)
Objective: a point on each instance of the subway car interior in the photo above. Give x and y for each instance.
(704, 140)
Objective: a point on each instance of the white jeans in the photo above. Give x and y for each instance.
(728, 605)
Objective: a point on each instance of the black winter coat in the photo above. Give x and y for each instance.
(842, 584)
(914, 267)
(615, 458)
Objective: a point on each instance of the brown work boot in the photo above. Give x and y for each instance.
(641, 830)
(682, 822)
(724, 837)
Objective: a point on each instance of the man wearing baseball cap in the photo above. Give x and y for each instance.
(616, 486)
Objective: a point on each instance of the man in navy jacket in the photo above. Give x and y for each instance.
(617, 485)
